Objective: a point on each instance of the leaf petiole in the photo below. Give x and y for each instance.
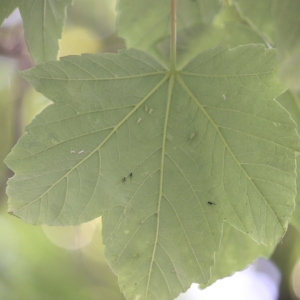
(173, 36)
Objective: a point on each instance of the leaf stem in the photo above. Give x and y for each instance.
(173, 36)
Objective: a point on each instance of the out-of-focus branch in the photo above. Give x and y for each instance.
(13, 46)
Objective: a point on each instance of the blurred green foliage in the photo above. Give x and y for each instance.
(31, 267)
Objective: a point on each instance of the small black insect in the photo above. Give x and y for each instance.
(123, 179)
(130, 175)
(211, 203)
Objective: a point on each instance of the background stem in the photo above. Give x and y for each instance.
(173, 35)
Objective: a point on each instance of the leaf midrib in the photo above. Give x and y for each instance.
(162, 165)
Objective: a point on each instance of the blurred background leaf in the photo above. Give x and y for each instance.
(291, 102)
(287, 25)
(258, 14)
(144, 28)
(43, 22)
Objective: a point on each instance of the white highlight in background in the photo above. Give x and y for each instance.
(260, 281)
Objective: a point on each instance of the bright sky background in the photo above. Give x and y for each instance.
(260, 281)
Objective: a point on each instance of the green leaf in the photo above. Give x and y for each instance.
(291, 102)
(288, 41)
(144, 28)
(259, 15)
(43, 22)
(237, 251)
(164, 157)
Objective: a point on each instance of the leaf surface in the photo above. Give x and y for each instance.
(43, 22)
(237, 251)
(164, 157)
